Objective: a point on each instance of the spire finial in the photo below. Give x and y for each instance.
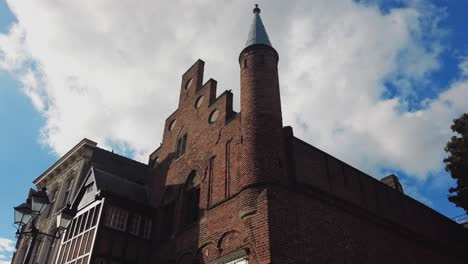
(257, 34)
(256, 10)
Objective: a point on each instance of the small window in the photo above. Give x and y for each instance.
(213, 116)
(199, 102)
(134, 228)
(188, 84)
(172, 125)
(181, 145)
(239, 261)
(154, 162)
(49, 209)
(67, 197)
(116, 218)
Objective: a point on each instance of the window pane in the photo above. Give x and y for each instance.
(83, 223)
(96, 214)
(83, 244)
(77, 246)
(90, 240)
(72, 248)
(77, 227)
(64, 252)
(90, 218)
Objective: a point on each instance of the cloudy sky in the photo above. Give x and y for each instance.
(375, 83)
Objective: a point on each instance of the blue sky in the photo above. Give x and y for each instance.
(375, 83)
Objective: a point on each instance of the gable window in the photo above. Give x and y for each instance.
(90, 187)
(116, 218)
(181, 145)
(191, 199)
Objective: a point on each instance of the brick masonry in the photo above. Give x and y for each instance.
(263, 190)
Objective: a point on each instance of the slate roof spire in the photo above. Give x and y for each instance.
(257, 34)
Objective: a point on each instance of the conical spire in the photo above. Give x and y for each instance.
(257, 34)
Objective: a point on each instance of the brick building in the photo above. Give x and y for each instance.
(239, 187)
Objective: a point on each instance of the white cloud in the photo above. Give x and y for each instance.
(464, 67)
(110, 71)
(13, 52)
(7, 247)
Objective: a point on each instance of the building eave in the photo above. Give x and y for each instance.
(83, 143)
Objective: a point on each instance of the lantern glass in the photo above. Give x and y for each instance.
(39, 201)
(64, 218)
(22, 214)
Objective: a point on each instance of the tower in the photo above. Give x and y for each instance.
(261, 119)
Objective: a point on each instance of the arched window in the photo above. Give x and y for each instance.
(191, 199)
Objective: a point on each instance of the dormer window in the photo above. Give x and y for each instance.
(181, 145)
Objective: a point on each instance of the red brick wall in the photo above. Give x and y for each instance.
(214, 152)
(313, 229)
(263, 190)
(322, 172)
(337, 214)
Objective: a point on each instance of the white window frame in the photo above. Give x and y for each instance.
(116, 218)
(239, 261)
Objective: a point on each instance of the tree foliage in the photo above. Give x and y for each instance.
(457, 161)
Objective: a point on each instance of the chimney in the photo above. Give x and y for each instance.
(393, 182)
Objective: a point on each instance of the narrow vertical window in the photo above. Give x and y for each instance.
(67, 197)
(181, 145)
(50, 207)
(191, 199)
(210, 178)
(228, 168)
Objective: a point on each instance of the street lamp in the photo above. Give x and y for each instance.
(22, 214)
(64, 218)
(27, 213)
(39, 201)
